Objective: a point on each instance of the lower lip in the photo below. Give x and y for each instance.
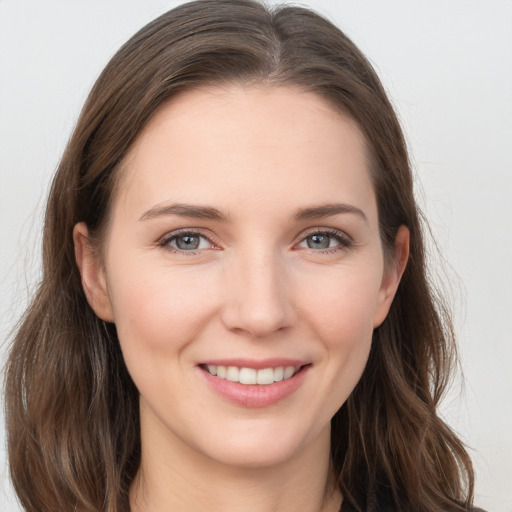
(255, 395)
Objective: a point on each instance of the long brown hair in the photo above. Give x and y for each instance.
(72, 408)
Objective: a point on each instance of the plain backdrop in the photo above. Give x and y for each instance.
(447, 65)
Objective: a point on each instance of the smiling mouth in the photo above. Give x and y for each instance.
(251, 376)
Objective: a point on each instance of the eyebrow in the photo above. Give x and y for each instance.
(327, 210)
(210, 213)
(185, 210)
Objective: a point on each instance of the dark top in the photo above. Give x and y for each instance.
(384, 506)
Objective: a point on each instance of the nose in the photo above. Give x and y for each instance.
(257, 298)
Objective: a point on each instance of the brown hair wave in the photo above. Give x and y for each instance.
(71, 406)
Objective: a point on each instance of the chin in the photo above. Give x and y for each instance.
(259, 455)
(259, 445)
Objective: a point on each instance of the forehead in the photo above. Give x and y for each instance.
(246, 144)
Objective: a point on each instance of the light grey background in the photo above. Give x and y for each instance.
(447, 65)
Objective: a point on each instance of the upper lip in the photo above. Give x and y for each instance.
(257, 364)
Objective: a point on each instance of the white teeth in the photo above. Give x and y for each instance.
(250, 376)
(278, 374)
(288, 372)
(232, 373)
(247, 376)
(265, 376)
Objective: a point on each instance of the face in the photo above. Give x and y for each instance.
(244, 271)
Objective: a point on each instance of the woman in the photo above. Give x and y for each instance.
(234, 312)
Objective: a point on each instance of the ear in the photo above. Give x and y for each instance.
(392, 275)
(94, 281)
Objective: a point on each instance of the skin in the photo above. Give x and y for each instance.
(255, 288)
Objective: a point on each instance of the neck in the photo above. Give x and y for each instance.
(175, 475)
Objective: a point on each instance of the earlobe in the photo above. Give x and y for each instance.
(92, 273)
(392, 275)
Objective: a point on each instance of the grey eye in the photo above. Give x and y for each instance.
(189, 242)
(319, 241)
(322, 240)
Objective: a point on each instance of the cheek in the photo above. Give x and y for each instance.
(340, 309)
(342, 304)
(160, 310)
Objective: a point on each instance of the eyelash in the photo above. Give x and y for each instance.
(344, 241)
